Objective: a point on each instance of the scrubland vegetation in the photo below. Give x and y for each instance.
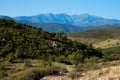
(29, 53)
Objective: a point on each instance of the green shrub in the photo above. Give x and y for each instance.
(30, 74)
(48, 66)
(3, 74)
(60, 59)
(76, 57)
(2, 66)
(58, 69)
(27, 63)
(75, 75)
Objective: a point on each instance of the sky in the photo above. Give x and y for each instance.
(105, 8)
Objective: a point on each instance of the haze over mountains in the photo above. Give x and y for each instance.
(6, 17)
(67, 23)
(77, 20)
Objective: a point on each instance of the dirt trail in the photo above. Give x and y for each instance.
(57, 77)
(64, 76)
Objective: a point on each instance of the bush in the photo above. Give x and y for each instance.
(34, 74)
(27, 63)
(76, 58)
(2, 66)
(48, 66)
(30, 74)
(61, 59)
(58, 69)
(75, 75)
(3, 74)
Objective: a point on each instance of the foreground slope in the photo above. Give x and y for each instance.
(29, 53)
(29, 42)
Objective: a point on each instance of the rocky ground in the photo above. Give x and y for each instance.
(111, 73)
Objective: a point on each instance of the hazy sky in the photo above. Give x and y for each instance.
(103, 8)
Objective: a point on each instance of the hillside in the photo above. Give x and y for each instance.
(106, 70)
(98, 37)
(6, 17)
(26, 50)
(32, 41)
(29, 53)
(98, 33)
(53, 27)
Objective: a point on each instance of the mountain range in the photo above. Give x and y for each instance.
(77, 20)
(66, 23)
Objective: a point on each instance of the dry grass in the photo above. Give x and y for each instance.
(85, 40)
(112, 73)
(97, 43)
(103, 74)
(107, 43)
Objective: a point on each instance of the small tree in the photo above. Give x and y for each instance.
(76, 57)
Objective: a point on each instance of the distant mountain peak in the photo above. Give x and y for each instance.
(86, 15)
(46, 14)
(64, 22)
(6, 17)
(77, 20)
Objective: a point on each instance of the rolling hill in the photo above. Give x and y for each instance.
(6, 17)
(25, 41)
(102, 38)
(54, 27)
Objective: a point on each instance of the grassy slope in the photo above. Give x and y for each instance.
(112, 49)
(101, 37)
(98, 34)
